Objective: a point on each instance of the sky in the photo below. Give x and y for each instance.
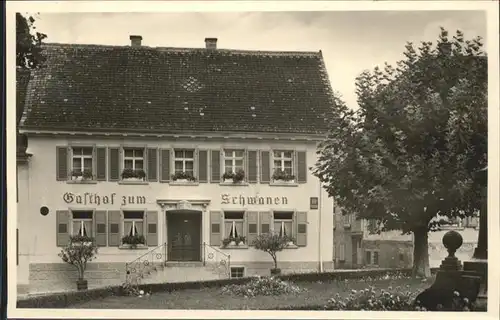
(351, 42)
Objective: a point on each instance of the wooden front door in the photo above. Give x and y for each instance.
(184, 236)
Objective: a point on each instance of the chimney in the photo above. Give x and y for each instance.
(211, 43)
(135, 41)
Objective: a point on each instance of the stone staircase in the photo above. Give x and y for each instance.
(153, 267)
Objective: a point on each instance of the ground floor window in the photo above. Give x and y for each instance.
(233, 224)
(283, 223)
(82, 223)
(372, 257)
(237, 272)
(133, 223)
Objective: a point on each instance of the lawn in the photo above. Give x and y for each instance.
(212, 298)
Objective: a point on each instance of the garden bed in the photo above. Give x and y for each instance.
(333, 281)
(316, 293)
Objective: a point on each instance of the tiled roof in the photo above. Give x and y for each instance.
(168, 90)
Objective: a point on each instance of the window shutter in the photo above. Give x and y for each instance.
(100, 228)
(265, 222)
(152, 159)
(301, 167)
(62, 221)
(100, 164)
(265, 170)
(152, 228)
(215, 228)
(114, 164)
(62, 160)
(252, 166)
(203, 166)
(252, 220)
(215, 166)
(301, 222)
(164, 165)
(114, 228)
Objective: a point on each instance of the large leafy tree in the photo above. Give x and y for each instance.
(411, 150)
(28, 43)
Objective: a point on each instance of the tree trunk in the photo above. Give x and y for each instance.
(421, 266)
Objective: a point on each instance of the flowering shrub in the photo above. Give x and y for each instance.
(79, 251)
(129, 289)
(271, 243)
(262, 286)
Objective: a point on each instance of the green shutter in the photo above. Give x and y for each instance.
(203, 166)
(152, 169)
(301, 225)
(165, 165)
(114, 228)
(62, 227)
(100, 228)
(301, 167)
(152, 228)
(215, 175)
(215, 228)
(252, 166)
(265, 222)
(62, 163)
(114, 164)
(265, 170)
(100, 163)
(252, 221)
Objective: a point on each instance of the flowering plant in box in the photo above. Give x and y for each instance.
(133, 240)
(283, 175)
(237, 176)
(183, 176)
(85, 174)
(131, 173)
(79, 251)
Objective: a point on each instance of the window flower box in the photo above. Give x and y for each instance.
(79, 175)
(241, 240)
(283, 177)
(133, 175)
(234, 177)
(133, 241)
(183, 177)
(81, 240)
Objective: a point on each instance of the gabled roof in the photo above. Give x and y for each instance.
(169, 90)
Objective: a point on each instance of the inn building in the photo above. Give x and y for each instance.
(170, 158)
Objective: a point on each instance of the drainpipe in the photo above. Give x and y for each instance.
(320, 206)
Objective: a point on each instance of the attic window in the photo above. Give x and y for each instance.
(192, 84)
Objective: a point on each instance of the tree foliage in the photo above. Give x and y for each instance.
(28, 43)
(272, 243)
(79, 251)
(411, 150)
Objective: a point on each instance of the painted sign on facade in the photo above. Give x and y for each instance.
(98, 199)
(256, 200)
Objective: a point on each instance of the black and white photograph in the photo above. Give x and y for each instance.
(303, 159)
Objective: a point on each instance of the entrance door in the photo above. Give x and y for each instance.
(184, 236)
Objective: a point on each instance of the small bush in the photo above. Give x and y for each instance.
(262, 286)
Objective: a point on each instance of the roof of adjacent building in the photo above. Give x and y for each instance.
(169, 90)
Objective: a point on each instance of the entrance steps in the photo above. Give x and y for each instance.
(172, 271)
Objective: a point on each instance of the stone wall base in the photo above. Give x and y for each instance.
(60, 277)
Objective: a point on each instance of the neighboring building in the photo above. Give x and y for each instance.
(355, 247)
(137, 121)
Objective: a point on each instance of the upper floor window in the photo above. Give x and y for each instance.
(82, 159)
(82, 223)
(133, 158)
(283, 161)
(184, 161)
(233, 160)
